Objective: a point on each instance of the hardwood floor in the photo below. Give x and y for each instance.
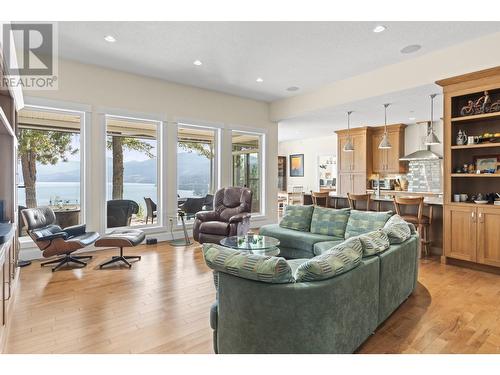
(161, 305)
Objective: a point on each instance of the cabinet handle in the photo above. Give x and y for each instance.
(473, 214)
(481, 218)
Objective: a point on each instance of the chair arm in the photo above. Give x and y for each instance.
(53, 236)
(207, 216)
(76, 230)
(240, 217)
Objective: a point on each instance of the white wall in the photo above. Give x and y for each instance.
(100, 90)
(311, 148)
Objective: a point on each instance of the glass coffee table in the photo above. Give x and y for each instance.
(253, 243)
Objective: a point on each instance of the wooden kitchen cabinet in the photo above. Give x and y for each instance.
(354, 167)
(345, 158)
(387, 160)
(354, 183)
(471, 233)
(488, 236)
(460, 232)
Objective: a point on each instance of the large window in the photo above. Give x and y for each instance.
(247, 164)
(49, 167)
(195, 169)
(132, 172)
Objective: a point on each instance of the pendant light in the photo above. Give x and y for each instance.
(385, 144)
(431, 138)
(349, 147)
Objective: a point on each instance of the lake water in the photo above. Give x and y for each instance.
(70, 191)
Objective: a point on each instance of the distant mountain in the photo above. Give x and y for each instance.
(193, 171)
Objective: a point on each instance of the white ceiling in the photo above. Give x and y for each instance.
(234, 54)
(369, 112)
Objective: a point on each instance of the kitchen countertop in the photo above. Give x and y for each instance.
(385, 196)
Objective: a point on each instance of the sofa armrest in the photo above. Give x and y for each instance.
(240, 217)
(76, 230)
(207, 216)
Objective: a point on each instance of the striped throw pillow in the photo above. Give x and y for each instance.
(334, 262)
(274, 270)
(397, 229)
(374, 242)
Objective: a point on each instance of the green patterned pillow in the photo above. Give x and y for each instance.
(297, 217)
(329, 221)
(243, 264)
(334, 262)
(361, 222)
(374, 242)
(397, 229)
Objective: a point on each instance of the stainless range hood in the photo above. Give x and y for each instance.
(426, 154)
(421, 155)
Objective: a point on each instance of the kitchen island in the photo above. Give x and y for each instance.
(433, 204)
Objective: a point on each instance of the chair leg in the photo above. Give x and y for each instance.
(121, 258)
(81, 256)
(53, 261)
(68, 258)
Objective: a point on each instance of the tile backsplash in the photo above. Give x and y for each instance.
(425, 175)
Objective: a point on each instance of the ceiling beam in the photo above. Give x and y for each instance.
(477, 54)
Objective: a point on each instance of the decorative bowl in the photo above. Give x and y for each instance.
(481, 202)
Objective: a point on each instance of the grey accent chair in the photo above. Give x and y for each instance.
(151, 209)
(52, 240)
(230, 217)
(120, 211)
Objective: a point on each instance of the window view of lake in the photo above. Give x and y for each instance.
(61, 181)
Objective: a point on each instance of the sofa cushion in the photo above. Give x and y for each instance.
(247, 265)
(215, 227)
(397, 229)
(334, 262)
(374, 242)
(297, 218)
(365, 221)
(329, 221)
(323, 247)
(295, 239)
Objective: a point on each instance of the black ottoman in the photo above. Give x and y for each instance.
(121, 238)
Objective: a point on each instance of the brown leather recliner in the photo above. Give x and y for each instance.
(230, 217)
(52, 240)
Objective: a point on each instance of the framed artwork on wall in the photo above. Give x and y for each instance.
(297, 165)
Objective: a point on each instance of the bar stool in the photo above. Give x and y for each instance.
(318, 197)
(353, 198)
(421, 221)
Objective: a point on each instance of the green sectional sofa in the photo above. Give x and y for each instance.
(330, 293)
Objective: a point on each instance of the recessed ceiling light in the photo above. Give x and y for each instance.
(259, 80)
(379, 28)
(292, 88)
(197, 62)
(411, 48)
(110, 38)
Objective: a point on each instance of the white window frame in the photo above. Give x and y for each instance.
(161, 141)
(262, 158)
(217, 149)
(84, 111)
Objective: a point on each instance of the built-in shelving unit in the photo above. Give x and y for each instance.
(477, 145)
(470, 230)
(483, 116)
